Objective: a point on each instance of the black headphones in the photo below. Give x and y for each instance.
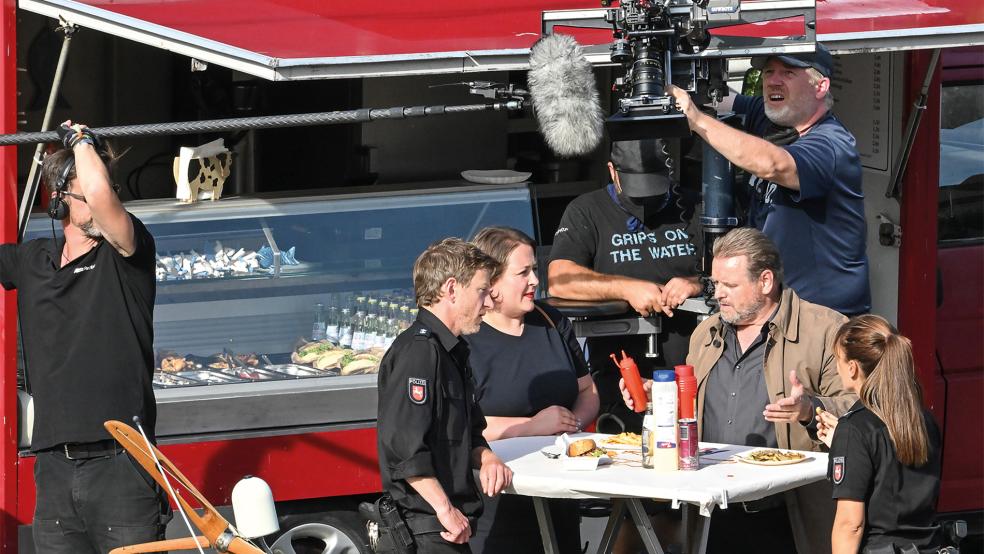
(58, 208)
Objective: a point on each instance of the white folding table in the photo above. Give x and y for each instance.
(719, 482)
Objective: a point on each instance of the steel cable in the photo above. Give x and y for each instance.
(362, 115)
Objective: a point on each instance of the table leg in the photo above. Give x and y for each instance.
(695, 528)
(644, 525)
(611, 529)
(547, 533)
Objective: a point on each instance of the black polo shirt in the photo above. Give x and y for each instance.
(736, 394)
(88, 335)
(428, 421)
(899, 500)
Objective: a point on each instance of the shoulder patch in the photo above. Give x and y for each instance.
(417, 390)
(423, 333)
(838, 470)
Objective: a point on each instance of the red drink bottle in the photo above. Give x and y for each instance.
(687, 387)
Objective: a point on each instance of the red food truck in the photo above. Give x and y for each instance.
(352, 205)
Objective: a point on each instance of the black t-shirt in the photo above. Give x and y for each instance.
(88, 335)
(519, 376)
(899, 500)
(594, 233)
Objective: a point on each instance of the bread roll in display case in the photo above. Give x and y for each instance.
(251, 291)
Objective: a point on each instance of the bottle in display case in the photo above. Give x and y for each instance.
(392, 329)
(345, 331)
(318, 327)
(359, 330)
(331, 324)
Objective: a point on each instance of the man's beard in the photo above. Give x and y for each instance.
(788, 116)
(746, 315)
(90, 230)
(471, 327)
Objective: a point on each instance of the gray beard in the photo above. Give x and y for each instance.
(787, 116)
(90, 230)
(746, 315)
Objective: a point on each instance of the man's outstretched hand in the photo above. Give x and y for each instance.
(794, 408)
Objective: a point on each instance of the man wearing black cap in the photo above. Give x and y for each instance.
(632, 241)
(805, 189)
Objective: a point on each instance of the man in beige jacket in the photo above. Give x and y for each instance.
(763, 364)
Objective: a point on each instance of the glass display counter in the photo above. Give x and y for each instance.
(273, 312)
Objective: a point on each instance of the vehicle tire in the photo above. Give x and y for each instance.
(329, 533)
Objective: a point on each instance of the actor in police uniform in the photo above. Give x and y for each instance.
(429, 425)
(885, 452)
(899, 500)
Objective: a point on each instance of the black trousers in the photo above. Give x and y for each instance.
(734, 531)
(94, 505)
(427, 543)
(508, 524)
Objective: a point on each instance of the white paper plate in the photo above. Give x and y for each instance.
(495, 176)
(744, 458)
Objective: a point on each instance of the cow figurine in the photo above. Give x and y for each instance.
(212, 173)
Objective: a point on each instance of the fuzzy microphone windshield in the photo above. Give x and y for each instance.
(565, 97)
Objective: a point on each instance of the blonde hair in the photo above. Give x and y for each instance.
(499, 242)
(890, 388)
(451, 257)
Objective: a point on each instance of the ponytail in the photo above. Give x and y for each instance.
(890, 389)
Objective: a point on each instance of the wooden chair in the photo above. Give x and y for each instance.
(217, 533)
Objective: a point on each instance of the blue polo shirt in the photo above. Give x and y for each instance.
(820, 229)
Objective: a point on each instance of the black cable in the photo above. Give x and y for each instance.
(707, 287)
(133, 177)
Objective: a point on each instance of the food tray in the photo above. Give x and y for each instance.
(164, 380)
(210, 377)
(296, 370)
(250, 373)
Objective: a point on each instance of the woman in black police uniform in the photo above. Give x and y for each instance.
(531, 379)
(885, 453)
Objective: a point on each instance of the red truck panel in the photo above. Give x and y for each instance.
(959, 334)
(309, 465)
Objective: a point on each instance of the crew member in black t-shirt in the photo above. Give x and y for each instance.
(429, 426)
(632, 241)
(86, 317)
(885, 452)
(530, 379)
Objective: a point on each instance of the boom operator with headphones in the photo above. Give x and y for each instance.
(71, 136)
(58, 208)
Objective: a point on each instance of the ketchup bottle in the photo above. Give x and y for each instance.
(633, 381)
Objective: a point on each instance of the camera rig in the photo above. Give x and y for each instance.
(671, 41)
(684, 43)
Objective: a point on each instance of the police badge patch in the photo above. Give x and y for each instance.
(837, 473)
(417, 389)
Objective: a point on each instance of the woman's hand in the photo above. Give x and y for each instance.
(826, 423)
(554, 420)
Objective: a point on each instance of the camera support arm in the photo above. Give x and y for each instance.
(717, 14)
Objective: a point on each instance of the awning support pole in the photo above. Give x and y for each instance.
(912, 126)
(34, 178)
